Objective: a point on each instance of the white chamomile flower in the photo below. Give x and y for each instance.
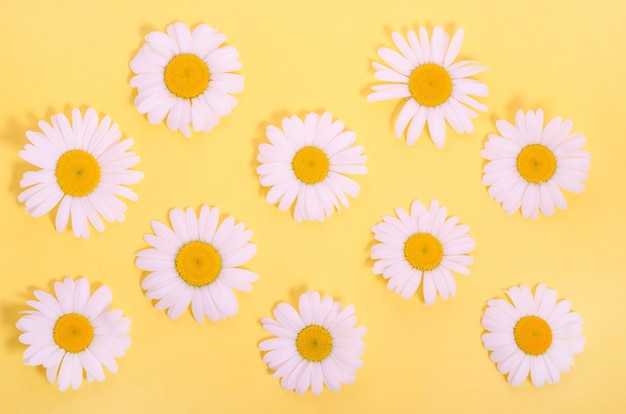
(529, 164)
(422, 244)
(197, 263)
(306, 162)
(434, 88)
(536, 335)
(73, 332)
(84, 167)
(187, 77)
(315, 345)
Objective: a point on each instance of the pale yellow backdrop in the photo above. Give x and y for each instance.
(567, 57)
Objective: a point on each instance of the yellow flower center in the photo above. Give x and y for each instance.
(314, 343)
(77, 172)
(198, 263)
(430, 84)
(532, 335)
(423, 251)
(536, 163)
(73, 332)
(187, 76)
(310, 165)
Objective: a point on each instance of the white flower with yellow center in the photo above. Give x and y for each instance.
(306, 162)
(317, 345)
(435, 89)
(84, 167)
(529, 164)
(197, 263)
(536, 335)
(73, 332)
(423, 244)
(187, 77)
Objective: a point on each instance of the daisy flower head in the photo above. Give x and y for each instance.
(74, 332)
(423, 244)
(197, 262)
(536, 335)
(435, 89)
(186, 76)
(84, 167)
(315, 345)
(528, 164)
(307, 162)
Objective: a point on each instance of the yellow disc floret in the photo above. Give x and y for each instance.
(186, 76)
(536, 163)
(532, 335)
(314, 343)
(73, 332)
(430, 84)
(310, 165)
(198, 263)
(77, 173)
(423, 251)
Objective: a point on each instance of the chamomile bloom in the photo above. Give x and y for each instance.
(529, 164)
(197, 262)
(434, 89)
(422, 245)
(315, 345)
(74, 332)
(536, 335)
(84, 168)
(307, 162)
(186, 76)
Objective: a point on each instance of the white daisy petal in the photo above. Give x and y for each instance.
(386, 92)
(437, 126)
(197, 264)
(528, 164)
(430, 290)
(317, 345)
(205, 39)
(519, 372)
(527, 338)
(416, 126)
(162, 44)
(404, 47)
(180, 302)
(396, 61)
(439, 45)
(91, 365)
(407, 113)
(455, 46)
(306, 162)
(411, 286)
(388, 75)
(207, 223)
(201, 97)
(179, 224)
(70, 328)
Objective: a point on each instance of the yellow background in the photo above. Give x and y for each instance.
(564, 56)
